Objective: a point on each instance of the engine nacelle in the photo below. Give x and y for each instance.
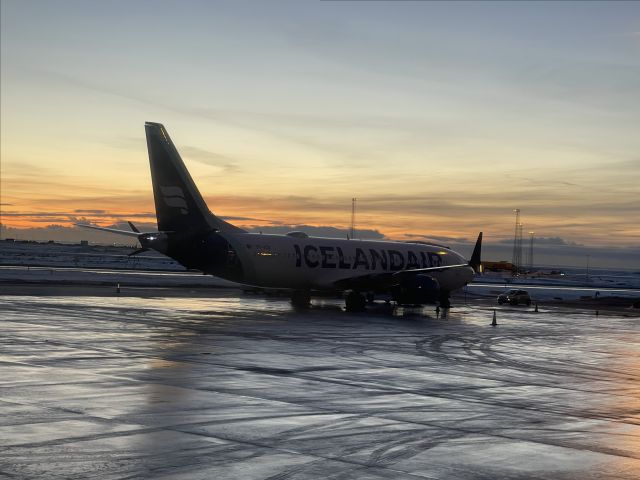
(416, 290)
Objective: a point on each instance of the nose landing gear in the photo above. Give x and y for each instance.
(355, 301)
(444, 300)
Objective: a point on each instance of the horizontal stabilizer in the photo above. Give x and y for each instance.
(133, 227)
(110, 230)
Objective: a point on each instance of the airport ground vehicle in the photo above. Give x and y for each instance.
(515, 297)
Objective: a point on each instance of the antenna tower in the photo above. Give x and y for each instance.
(520, 259)
(353, 218)
(530, 259)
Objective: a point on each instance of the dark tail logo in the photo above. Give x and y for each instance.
(174, 197)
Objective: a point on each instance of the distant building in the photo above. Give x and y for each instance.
(497, 266)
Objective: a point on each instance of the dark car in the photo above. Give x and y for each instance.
(514, 297)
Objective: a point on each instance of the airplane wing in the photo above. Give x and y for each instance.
(376, 281)
(381, 281)
(416, 271)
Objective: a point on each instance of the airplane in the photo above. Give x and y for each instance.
(412, 273)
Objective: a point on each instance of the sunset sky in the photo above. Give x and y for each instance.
(441, 118)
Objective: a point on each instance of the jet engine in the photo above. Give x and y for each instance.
(416, 290)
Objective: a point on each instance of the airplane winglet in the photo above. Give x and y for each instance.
(475, 261)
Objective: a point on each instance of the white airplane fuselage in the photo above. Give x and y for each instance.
(284, 261)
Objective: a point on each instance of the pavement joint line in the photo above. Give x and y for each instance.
(224, 439)
(145, 429)
(430, 424)
(374, 387)
(315, 455)
(291, 373)
(395, 389)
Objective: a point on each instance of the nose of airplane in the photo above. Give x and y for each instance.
(468, 274)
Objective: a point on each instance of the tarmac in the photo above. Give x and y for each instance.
(234, 386)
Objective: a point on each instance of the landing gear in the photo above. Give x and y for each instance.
(444, 300)
(355, 301)
(300, 299)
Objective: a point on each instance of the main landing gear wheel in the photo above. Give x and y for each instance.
(355, 302)
(301, 299)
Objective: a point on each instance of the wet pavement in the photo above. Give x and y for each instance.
(246, 388)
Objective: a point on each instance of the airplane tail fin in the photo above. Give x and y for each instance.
(179, 205)
(475, 261)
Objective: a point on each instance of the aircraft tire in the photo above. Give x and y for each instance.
(301, 299)
(355, 302)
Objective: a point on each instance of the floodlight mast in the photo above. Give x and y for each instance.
(517, 245)
(530, 259)
(353, 218)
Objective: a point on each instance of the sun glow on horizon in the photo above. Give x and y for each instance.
(440, 127)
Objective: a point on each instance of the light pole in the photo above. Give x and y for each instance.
(531, 234)
(517, 250)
